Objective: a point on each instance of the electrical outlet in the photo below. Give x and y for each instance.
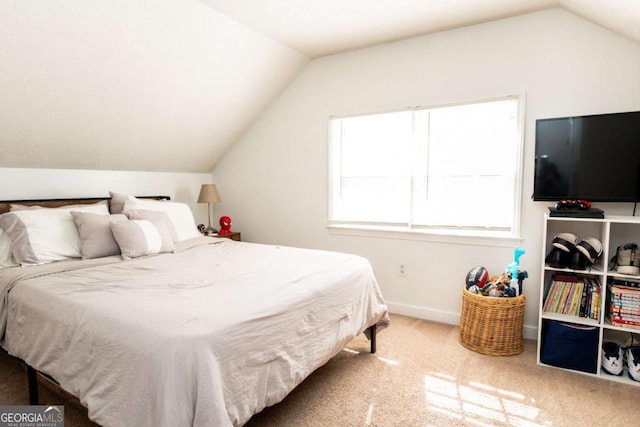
(402, 270)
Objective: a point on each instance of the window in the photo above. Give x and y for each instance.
(452, 169)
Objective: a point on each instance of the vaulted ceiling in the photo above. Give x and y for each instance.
(322, 27)
(170, 85)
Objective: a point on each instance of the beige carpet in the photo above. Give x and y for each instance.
(420, 376)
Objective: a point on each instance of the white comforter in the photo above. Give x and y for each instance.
(207, 336)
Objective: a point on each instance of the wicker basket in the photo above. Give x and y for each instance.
(491, 325)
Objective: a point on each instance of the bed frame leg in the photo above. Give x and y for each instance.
(32, 376)
(372, 331)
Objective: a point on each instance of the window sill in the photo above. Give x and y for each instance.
(439, 236)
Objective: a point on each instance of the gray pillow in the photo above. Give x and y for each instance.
(96, 238)
(142, 237)
(154, 216)
(116, 204)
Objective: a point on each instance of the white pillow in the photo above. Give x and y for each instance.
(39, 236)
(179, 213)
(5, 250)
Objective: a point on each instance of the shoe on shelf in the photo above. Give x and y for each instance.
(633, 363)
(613, 358)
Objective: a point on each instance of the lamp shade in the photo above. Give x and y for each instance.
(208, 194)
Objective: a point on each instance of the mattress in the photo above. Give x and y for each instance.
(205, 336)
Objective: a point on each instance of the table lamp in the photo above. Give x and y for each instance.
(209, 194)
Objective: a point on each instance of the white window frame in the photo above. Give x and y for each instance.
(449, 235)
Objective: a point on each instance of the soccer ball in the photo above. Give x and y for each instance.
(477, 276)
(474, 290)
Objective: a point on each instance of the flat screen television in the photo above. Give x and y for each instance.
(595, 158)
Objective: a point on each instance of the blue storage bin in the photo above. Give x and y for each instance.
(570, 346)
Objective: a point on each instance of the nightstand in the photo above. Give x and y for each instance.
(235, 235)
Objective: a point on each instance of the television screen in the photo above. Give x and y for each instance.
(595, 158)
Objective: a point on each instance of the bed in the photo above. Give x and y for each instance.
(206, 332)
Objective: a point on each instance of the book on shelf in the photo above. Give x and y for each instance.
(580, 298)
(623, 315)
(626, 317)
(562, 298)
(624, 290)
(623, 296)
(621, 309)
(566, 277)
(551, 295)
(576, 298)
(629, 283)
(624, 300)
(623, 305)
(616, 321)
(583, 301)
(594, 308)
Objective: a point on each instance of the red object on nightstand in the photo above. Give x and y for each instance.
(225, 225)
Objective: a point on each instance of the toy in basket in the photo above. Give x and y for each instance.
(494, 326)
(509, 284)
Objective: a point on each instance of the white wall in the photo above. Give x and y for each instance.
(274, 181)
(24, 184)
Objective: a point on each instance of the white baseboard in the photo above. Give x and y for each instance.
(448, 317)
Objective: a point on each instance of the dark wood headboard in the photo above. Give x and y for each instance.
(56, 203)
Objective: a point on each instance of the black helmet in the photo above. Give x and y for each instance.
(591, 248)
(565, 241)
(558, 258)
